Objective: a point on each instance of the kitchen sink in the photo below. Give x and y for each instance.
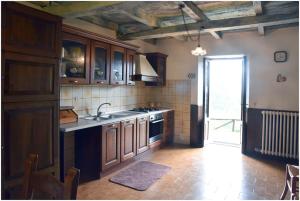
(111, 116)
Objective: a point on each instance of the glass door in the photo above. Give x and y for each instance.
(100, 63)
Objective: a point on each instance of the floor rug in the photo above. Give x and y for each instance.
(141, 175)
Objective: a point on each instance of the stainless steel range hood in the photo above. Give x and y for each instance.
(144, 71)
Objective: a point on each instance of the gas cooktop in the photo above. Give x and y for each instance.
(145, 109)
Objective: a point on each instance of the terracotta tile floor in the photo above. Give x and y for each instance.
(213, 172)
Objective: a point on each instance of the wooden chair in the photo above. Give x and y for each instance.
(43, 186)
(291, 180)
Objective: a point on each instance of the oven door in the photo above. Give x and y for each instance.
(156, 130)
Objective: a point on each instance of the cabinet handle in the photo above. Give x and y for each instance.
(100, 82)
(117, 82)
(73, 81)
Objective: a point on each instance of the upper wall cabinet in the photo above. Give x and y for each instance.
(75, 59)
(159, 63)
(130, 58)
(30, 31)
(89, 58)
(118, 67)
(100, 62)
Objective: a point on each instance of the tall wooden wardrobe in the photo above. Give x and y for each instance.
(31, 49)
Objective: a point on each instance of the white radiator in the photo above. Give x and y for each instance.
(280, 134)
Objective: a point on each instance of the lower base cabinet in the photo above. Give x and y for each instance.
(128, 139)
(142, 134)
(110, 137)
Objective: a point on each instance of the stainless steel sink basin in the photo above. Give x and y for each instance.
(111, 116)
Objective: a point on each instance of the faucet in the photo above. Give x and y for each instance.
(98, 112)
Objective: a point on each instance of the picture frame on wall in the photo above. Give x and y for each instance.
(280, 56)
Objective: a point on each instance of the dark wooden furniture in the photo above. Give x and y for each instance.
(159, 64)
(130, 58)
(29, 78)
(291, 182)
(168, 132)
(75, 64)
(100, 63)
(110, 145)
(30, 92)
(118, 65)
(104, 62)
(44, 186)
(142, 134)
(29, 31)
(128, 139)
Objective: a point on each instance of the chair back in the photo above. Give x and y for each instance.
(43, 186)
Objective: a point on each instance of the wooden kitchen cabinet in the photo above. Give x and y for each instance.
(30, 31)
(142, 134)
(159, 64)
(110, 136)
(75, 59)
(100, 62)
(29, 78)
(130, 59)
(30, 93)
(128, 139)
(118, 65)
(29, 127)
(168, 131)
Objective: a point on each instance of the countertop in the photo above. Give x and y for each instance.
(83, 123)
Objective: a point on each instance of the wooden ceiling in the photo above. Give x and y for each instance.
(158, 19)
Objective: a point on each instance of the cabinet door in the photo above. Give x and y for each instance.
(29, 128)
(142, 134)
(110, 145)
(168, 132)
(100, 63)
(29, 78)
(75, 64)
(130, 59)
(128, 139)
(29, 31)
(118, 67)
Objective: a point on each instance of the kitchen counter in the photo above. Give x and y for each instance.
(83, 123)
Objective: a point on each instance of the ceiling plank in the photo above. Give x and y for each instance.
(147, 20)
(99, 21)
(215, 25)
(79, 8)
(257, 7)
(197, 14)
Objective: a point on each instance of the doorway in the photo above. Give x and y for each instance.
(225, 99)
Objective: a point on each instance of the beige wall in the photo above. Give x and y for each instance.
(264, 91)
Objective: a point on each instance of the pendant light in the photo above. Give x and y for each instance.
(198, 50)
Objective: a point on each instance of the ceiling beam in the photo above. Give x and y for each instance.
(194, 11)
(216, 34)
(261, 30)
(79, 8)
(215, 25)
(257, 7)
(197, 14)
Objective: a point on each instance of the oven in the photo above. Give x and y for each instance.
(156, 127)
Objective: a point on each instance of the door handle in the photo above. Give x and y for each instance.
(161, 120)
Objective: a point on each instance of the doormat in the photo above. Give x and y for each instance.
(141, 175)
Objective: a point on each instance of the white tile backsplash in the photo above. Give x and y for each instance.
(176, 95)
